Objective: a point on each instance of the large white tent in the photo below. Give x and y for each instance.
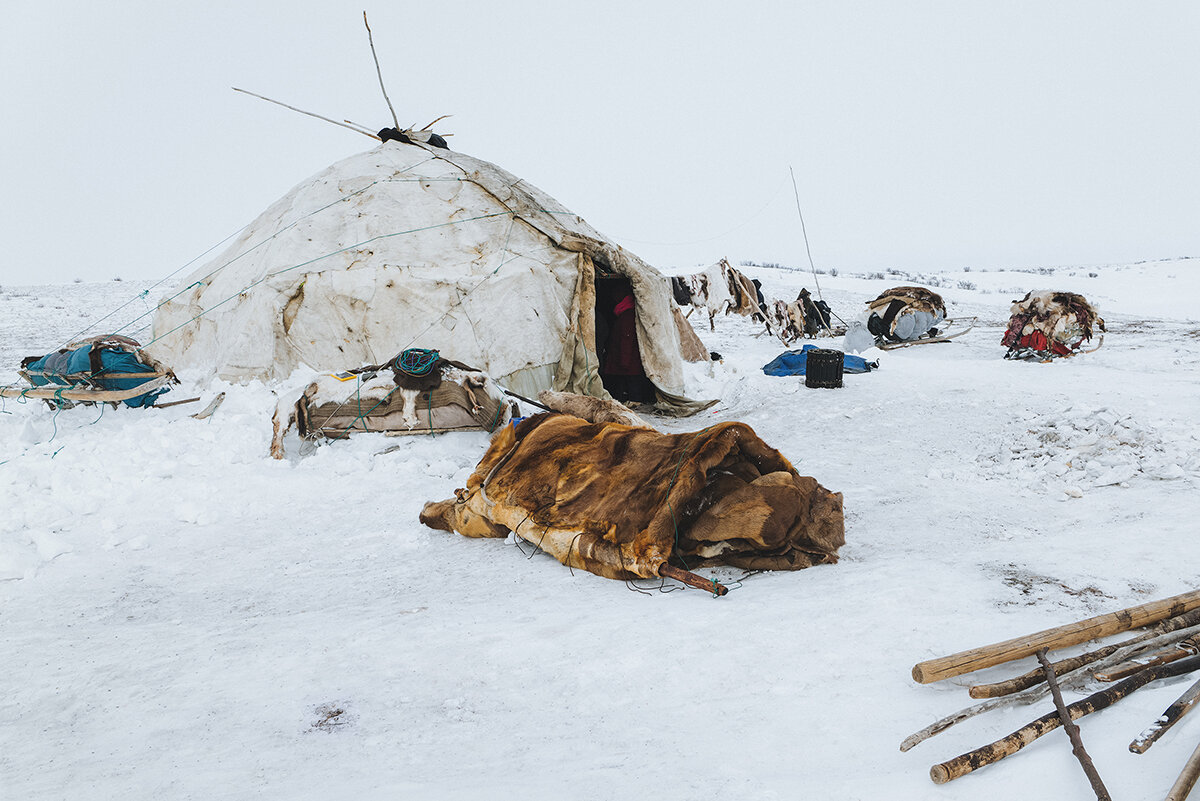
(411, 245)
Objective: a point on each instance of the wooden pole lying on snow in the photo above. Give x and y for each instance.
(1085, 759)
(994, 752)
(1187, 779)
(1166, 720)
(1127, 669)
(1036, 676)
(691, 579)
(309, 113)
(174, 403)
(1058, 637)
(1028, 696)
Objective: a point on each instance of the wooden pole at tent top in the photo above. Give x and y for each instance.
(1058, 637)
(309, 113)
(379, 72)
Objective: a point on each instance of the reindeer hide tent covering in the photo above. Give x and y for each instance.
(409, 243)
(620, 501)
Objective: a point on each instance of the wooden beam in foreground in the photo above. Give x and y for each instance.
(1058, 637)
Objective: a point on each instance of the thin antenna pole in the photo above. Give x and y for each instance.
(371, 41)
(805, 232)
(807, 249)
(309, 113)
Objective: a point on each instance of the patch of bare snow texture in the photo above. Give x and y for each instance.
(1080, 448)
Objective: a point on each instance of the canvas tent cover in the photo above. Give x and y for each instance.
(620, 501)
(407, 244)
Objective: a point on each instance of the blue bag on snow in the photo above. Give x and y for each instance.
(794, 362)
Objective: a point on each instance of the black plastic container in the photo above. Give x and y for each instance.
(823, 369)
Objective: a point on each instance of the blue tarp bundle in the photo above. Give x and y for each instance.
(794, 362)
(59, 365)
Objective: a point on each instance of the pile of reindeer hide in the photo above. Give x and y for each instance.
(1046, 325)
(904, 313)
(721, 288)
(451, 396)
(620, 501)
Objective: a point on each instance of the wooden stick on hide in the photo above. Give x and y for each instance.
(691, 579)
(1006, 746)
(1058, 637)
(1085, 759)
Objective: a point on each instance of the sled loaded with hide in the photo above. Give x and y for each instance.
(101, 369)
(628, 503)
(1049, 325)
(418, 392)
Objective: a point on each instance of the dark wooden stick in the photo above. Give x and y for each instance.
(309, 113)
(1127, 669)
(174, 403)
(1169, 718)
(1058, 637)
(1085, 759)
(379, 72)
(530, 402)
(1183, 785)
(691, 579)
(1036, 676)
(994, 752)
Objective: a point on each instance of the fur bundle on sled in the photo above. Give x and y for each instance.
(1046, 325)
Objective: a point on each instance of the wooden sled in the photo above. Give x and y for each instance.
(927, 340)
(1051, 358)
(79, 392)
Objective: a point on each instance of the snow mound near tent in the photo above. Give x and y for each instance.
(1085, 448)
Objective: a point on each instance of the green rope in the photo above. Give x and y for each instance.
(496, 417)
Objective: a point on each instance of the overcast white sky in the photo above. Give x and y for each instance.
(922, 134)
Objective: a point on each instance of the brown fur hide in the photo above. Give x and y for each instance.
(914, 297)
(620, 501)
(786, 320)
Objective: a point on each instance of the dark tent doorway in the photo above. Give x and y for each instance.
(616, 341)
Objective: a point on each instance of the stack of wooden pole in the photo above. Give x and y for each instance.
(1170, 648)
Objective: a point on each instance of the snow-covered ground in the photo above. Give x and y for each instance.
(183, 617)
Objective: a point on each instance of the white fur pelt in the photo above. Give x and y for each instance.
(594, 410)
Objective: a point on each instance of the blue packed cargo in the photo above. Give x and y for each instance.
(101, 364)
